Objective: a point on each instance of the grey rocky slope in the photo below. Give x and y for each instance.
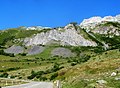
(14, 49)
(94, 21)
(108, 29)
(108, 25)
(35, 50)
(66, 36)
(72, 34)
(69, 34)
(62, 52)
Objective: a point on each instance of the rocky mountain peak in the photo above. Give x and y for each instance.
(37, 28)
(69, 26)
(94, 21)
(64, 36)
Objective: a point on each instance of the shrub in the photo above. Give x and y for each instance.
(38, 76)
(12, 76)
(6, 54)
(56, 67)
(31, 77)
(37, 58)
(43, 78)
(20, 77)
(10, 69)
(4, 75)
(84, 58)
(1, 52)
(73, 63)
(22, 54)
(54, 76)
(35, 74)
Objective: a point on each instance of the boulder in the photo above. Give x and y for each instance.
(14, 49)
(35, 50)
(113, 74)
(69, 37)
(62, 52)
(117, 78)
(101, 82)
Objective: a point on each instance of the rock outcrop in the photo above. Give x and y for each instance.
(107, 30)
(94, 21)
(14, 49)
(66, 36)
(37, 28)
(35, 50)
(62, 52)
(108, 25)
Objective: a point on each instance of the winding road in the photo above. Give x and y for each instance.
(33, 85)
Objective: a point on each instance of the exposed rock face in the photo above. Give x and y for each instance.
(68, 36)
(108, 30)
(94, 21)
(62, 52)
(108, 25)
(101, 82)
(117, 79)
(35, 50)
(37, 28)
(113, 74)
(91, 22)
(14, 49)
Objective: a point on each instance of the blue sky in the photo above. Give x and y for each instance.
(53, 13)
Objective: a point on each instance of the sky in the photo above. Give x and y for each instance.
(53, 13)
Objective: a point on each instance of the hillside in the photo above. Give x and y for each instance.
(81, 56)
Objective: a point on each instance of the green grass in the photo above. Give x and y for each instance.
(82, 75)
(46, 53)
(115, 24)
(71, 76)
(84, 34)
(8, 82)
(7, 36)
(111, 83)
(74, 76)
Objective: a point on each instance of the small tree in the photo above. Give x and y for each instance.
(54, 76)
(74, 23)
(5, 75)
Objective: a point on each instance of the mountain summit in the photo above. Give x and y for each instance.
(93, 21)
(81, 56)
(95, 31)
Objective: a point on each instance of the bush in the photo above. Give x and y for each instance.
(37, 58)
(73, 63)
(43, 78)
(55, 68)
(22, 54)
(31, 77)
(20, 78)
(35, 74)
(1, 52)
(54, 76)
(4, 75)
(39, 74)
(6, 54)
(84, 58)
(10, 69)
(12, 76)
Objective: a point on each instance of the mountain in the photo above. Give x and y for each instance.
(81, 56)
(94, 31)
(60, 35)
(94, 21)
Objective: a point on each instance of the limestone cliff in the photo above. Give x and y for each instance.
(65, 36)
